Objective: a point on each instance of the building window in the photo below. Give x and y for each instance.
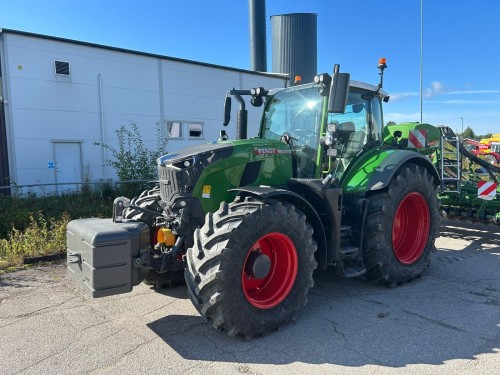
(174, 129)
(62, 67)
(195, 131)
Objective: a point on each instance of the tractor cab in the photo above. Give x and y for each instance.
(322, 142)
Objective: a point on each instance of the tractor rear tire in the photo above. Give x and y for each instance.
(251, 266)
(401, 226)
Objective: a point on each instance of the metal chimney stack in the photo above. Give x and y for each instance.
(257, 20)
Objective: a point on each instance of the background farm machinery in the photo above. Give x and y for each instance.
(469, 180)
(489, 148)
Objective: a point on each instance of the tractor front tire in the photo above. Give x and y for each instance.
(147, 199)
(401, 226)
(167, 279)
(251, 266)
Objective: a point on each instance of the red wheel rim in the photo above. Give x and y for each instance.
(410, 229)
(281, 257)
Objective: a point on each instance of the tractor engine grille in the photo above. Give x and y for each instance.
(174, 182)
(179, 172)
(168, 183)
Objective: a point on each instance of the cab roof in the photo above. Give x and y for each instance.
(369, 87)
(355, 84)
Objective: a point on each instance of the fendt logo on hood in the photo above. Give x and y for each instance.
(270, 151)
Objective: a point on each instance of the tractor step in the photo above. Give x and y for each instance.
(351, 264)
(349, 252)
(345, 236)
(353, 271)
(345, 230)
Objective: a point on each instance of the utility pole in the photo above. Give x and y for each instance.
(421, 54)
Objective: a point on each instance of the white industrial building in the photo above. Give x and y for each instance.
(58, 97)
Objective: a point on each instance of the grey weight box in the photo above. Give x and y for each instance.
(101, 253)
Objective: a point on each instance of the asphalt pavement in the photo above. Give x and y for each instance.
(446, 322)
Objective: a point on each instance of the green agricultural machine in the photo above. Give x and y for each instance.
(246, 222)
(470, 189)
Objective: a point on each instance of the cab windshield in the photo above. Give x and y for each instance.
(297, 113)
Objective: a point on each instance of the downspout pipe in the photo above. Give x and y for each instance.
(102, 126)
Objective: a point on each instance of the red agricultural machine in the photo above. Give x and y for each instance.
(489, 148)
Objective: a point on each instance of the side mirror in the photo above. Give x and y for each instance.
(227, 110)
(339, 91)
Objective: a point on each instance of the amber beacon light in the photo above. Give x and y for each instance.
(382, 63)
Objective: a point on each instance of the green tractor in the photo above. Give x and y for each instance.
(246, 222)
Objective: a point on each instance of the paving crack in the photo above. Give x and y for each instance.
(44, 310)
(124, 355)
(435, 321)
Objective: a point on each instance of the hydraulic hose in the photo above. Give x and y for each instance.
(490, 168)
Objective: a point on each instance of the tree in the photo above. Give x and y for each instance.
(133, 161)
(468, 133)
(390, 123)
(487, 135)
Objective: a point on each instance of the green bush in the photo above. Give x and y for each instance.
(32, 226)
(133, 161)
(16, 211)
(39, 238)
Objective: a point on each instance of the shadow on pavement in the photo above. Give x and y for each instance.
(451, 312)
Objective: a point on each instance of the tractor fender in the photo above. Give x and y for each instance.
(374, 169)
(383, 174)
(266, 192)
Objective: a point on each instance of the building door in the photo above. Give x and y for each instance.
(67, 165)
(4, 154)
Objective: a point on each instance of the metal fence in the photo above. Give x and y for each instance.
(67, 187)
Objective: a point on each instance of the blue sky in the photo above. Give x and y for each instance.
(461, 69)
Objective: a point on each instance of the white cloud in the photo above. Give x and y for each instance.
(473, 92)
(437, 88)
(471, 101)
(480, 109)
(482, 121)
(402, 95)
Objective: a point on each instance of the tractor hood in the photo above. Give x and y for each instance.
(208, 172)
(208, 151)
(180, 171)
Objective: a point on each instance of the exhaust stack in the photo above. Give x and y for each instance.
(257, 20)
